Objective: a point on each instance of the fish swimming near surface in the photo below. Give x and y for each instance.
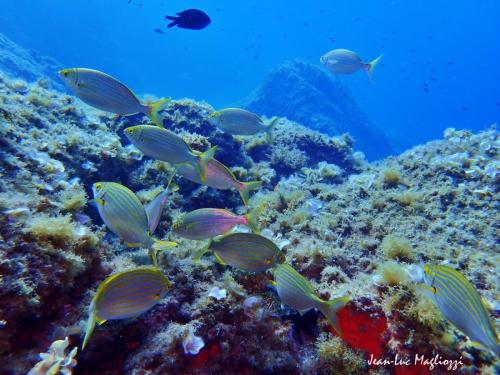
(125, 216)
(236, 121)
(343, 61)
(218, 176)
(162, 144)
(297, 292)
(126, 295)
(193, 19)
(159, 31)
(462, 305)
(104, 92)
(207, 223)
(248, 251)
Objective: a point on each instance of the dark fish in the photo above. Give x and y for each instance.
(159, 31)
(193, 19)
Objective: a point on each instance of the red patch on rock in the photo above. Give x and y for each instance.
(204, 355)
(363, 330)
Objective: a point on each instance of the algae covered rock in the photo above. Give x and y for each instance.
(306, 94)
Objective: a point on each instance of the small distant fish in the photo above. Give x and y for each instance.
(159, 31)
(104, 92)
(237, 121)
(126, 295)
(207, 223)
(193, 19)
(462, 305)
(125, 216)
(248, 251)
(343, 61)
(218, 176)
(297, 292)
(162, 144)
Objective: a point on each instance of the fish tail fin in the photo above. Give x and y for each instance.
(89, 328)
(246, 188)
(269, 130)
(201, 252)
(155, 109)
(370, 67)
(253, 218)
(172, 18)
(330, 308)
(160, 245)
(204, 158)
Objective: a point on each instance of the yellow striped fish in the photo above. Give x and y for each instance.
(462, 305)
(297, 292)
(237, 121)
(218, 176)
(126, 295)
(207, 223)
(343, 61)
(248, 251)
(104, 92)
(167, 146)
(125, 216)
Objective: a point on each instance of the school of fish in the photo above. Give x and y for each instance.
(129, 294)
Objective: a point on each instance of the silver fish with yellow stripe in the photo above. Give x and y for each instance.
(297, 292)
(162, 144)
(126, 295)
(125, 216)
(104, 92)
(343, 61)
(248, 251)
(462, 305)
(207, 223)
(218, 176)
(237, 121)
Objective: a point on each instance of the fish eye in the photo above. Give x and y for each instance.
(65, 72)
(98, 186)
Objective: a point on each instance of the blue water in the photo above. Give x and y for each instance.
(450, 46)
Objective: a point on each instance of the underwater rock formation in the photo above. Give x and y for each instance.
(351, 227)
(305, 93)
(19, 62)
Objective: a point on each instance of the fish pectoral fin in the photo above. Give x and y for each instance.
(426, 290)
(100, 321)
(219, 260)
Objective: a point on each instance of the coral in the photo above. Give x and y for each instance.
(426, 312)
(56, 361)
(336, 357)
(407, 198)
(391, 273)
(192, 344)
(60, 229)
(391, 177)
(73, 199)
(397, 248)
